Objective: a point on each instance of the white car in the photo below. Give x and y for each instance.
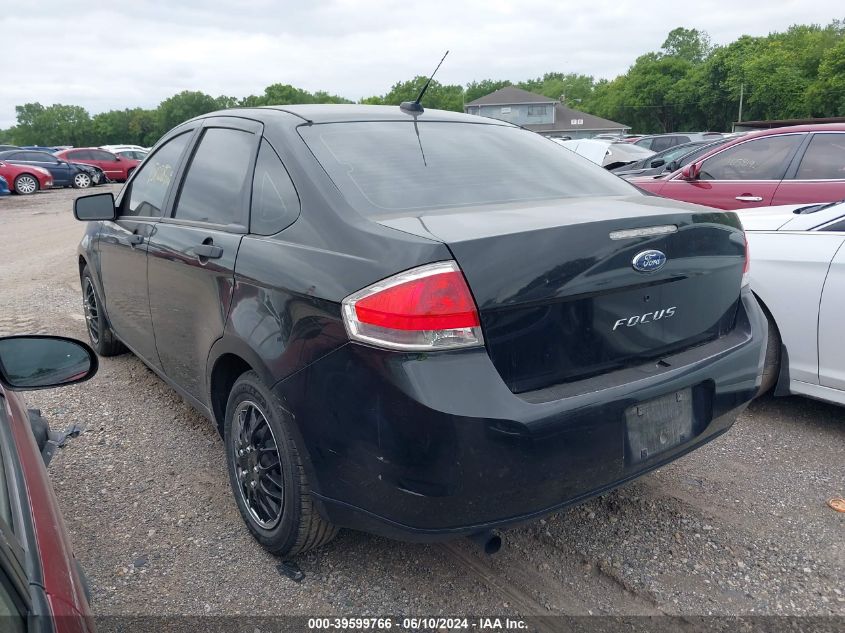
(605, 152)
(114, 149)
(798, 275)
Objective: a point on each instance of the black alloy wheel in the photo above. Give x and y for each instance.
(102, 338)
(267, 473)
(258, 465)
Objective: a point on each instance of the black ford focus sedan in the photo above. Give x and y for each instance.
(421, 325)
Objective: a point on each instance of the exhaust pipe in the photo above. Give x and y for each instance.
(488, 541)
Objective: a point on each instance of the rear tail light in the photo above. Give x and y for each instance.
(425, 308)
(746, 271)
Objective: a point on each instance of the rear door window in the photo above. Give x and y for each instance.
(148, 189)
(760, 159)
(824, 158)
(275, 204)
(213, 188)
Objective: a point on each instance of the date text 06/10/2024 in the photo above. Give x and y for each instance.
(493, 625)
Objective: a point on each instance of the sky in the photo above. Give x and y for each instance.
(136, 53)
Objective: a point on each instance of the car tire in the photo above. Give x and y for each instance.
(26, 184)
(771, 366)
(266, 472)
(100, 334)
(82, 181)
(129, 174)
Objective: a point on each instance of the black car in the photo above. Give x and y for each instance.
(421, 325)
(65, 174)
(666, 160)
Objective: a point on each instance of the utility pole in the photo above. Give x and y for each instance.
(741, 95)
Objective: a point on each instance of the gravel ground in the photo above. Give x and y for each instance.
(737, 527)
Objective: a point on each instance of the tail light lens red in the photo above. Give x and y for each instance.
(425, 308)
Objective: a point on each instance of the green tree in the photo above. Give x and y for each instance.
(477, 89)
(57, 124)
(827, 96)
(144, 127)
(438, 96)
(183, 106)
(571, 87)
(691, 45)
(7, 136)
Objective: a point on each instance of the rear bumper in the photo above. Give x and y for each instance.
(425, 447)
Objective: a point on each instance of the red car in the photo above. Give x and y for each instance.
(25, 179)
(787, 165)
(116, 167)
(40, 580)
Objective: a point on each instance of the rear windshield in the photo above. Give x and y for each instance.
(390, 166)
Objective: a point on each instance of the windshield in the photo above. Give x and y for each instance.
(390, 166)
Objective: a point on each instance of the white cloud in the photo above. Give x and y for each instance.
(141, 52)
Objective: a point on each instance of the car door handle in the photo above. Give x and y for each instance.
(135, 239)
(749, 198)
(208, 251)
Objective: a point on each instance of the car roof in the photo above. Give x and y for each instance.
(813, 127)
(337, 113)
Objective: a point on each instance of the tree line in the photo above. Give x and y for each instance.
(688, 84)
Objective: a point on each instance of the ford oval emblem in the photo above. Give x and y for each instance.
(648, 261)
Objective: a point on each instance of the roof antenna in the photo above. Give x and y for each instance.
(414, 106)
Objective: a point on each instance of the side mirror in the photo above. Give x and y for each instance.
(691, 171)
(117, 159)
(99, 206)
(41, 362)
(658, 162)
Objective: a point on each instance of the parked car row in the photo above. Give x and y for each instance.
(788, 165)
(64, 173)
(79, 167)
(668, 160)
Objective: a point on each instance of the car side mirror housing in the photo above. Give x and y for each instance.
(99, 206)
(691, 171)
(42, 362)
(658, 162)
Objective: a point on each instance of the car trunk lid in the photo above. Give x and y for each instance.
(559, 297)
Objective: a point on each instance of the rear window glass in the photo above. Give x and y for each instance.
(388, 166)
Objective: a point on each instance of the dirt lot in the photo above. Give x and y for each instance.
(738, 527)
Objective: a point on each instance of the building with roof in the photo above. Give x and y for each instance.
(541, 114)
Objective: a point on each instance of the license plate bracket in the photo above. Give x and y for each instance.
(656, 426)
